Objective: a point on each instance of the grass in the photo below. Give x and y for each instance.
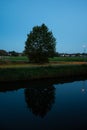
(68, 59)
(13, 58)
(22, 61)
(38, 72)
(18, 68)
(54, 59)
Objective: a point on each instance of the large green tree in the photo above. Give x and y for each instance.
(40, 44)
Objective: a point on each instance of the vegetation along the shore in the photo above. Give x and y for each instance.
(38, 72)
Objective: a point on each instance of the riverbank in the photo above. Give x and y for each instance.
(27, 72)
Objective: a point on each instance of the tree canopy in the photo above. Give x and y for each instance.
(40, 44)
(3, 53)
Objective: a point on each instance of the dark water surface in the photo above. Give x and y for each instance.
(43, 105)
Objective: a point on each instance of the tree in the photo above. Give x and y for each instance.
(40, 44)
(3, 53)
(13, 53)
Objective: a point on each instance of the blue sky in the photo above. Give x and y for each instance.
(67, 19)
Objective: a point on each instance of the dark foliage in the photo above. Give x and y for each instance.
(3, 53)
(13, 53)
(40, 44)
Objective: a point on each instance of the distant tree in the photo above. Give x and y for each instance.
(57, 54)
(13, 53)
(77, 54)
(3, 53)
(40, 44)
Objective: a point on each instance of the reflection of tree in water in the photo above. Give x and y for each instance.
(40, 98)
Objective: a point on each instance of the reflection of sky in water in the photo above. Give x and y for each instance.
(69, 110)
(71, 103)
(70, 96)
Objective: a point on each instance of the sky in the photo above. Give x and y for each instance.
(67, 19)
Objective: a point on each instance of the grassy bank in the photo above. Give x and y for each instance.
(23, 59)
(68, 59)
(39, 72)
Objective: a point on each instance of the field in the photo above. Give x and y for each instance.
(24, 60)
(67, 59)
(19, 68)
(13, 58)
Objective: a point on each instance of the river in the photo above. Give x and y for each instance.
(43, 105)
